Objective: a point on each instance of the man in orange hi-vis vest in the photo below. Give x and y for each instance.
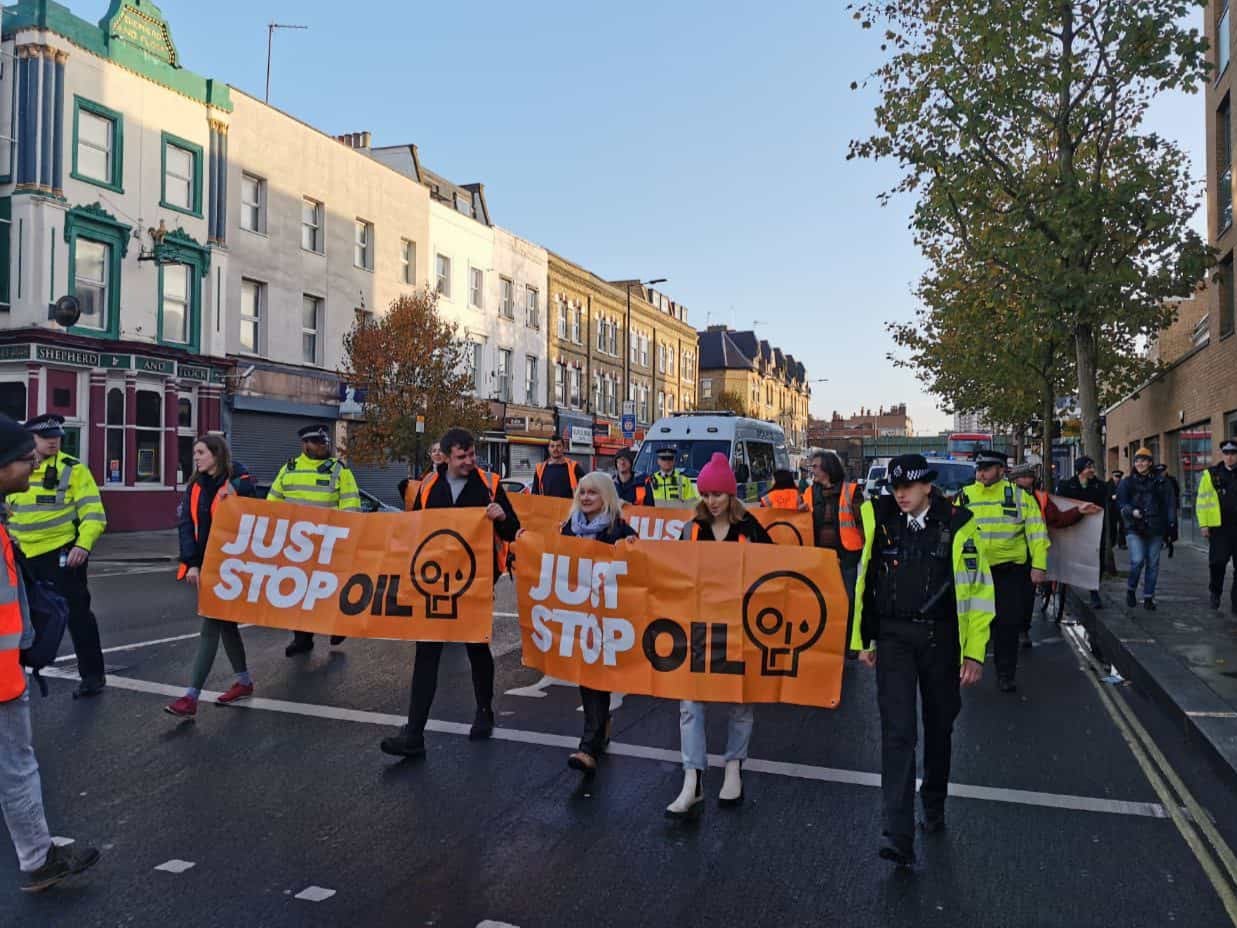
(558, 476)
(834, 503)
(42, 863)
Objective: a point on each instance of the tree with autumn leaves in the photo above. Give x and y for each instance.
(1055, 225)
(410, 362)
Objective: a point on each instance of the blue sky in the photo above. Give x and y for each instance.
(702, 142)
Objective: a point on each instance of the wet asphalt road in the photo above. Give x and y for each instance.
(270, 800)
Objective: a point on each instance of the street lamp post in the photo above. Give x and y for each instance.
(627, 335)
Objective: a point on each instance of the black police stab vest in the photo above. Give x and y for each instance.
(914, 570)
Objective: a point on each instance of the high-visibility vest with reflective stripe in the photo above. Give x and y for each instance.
(310, 482)
(696, 534)
(780, 499)
(1008, 522)
(1208, 508)
(70, 512)
(573, 475)
(675, 486)
(195, 494)
(849, 532)
(12, 677)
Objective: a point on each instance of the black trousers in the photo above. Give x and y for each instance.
(1015, 601)
(1222, 548)
(425, 680)
(70, 582)
(911, 657)
(596, 721)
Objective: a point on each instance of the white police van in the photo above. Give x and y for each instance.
(755, 448)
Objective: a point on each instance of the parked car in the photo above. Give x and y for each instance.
(369, 502)
(951, 476)
(517, 484)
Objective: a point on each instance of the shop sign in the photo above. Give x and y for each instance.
(72, 356)
(14, 352)
(601, 430)
(196, 374)
(155, 365)
(115, 361)
(534, 423)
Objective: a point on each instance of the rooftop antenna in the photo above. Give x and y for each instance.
(270, 35)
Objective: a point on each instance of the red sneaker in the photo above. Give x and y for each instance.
(186, 707)
(235, 692)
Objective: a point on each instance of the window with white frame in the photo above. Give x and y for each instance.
(463, 203)
(442, 270)
(706, 388)
(474, 365)
(661, 359)
(532, 308)
(644, 350)
(597, 393)
(633, 347)
(90, 282)
(562, 318)
(661, 404)
(614, 328)
(178, 176)
(407, 261)
(311, 328)
(603, 326)
(363, 245)
(476, 287)
(644, 402)
(253, 203)
(504, 375)
(186, 435)
(577, 325)
(174, 307)
(531, 396)
(577, 383)
(311, 225)
(96, 145)
(506, 297)
(253, 299)
(669, 403)
(560, 384)
(670, 360)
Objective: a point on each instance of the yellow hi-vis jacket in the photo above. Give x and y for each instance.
(1009, 522)
(327, 484)
(1207, 504)
(973, 589)
(62, 508)
(675, 486)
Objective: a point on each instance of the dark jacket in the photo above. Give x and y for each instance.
(749, 528)
(193, 542)
(475, 494)
(1097, 491)
(617, 531)
(555, 479)
(1152, 496)
(627, 491)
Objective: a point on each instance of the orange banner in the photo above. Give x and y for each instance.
(713, 622)
(418, 576)
(544, 515)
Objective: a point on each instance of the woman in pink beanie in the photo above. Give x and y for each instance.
(720, 516)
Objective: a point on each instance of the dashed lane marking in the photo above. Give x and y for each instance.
(140, 644)
(488, 923)
(176, 866)
(644, 752)
(539, 689)
(315, 894)
(63, 842)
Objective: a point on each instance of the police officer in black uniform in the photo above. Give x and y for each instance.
(1216, 510)
(924, 601)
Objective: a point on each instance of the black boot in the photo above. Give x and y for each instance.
(406, 744)
(302, 643)
(338, 639)
(61, 862)
(1006, 685)
(1215, 600)
(91, 686)
(1149, 604)
(898, 850)
(482, 725)
(1131, 598)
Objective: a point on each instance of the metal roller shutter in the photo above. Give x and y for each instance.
(381, 482)
(264, 441)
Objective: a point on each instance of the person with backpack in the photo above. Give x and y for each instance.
(42, 863)
(457, 483)
(215, 478)
(596, 514)
(720, 516)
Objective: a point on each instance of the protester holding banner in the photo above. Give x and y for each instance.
(596, 515)
(720, 516)
(457, 483)
(924, 603)
(216, 477)
(631, 489)
(1086, 486)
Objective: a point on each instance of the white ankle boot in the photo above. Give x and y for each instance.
(688, 801)
(732, 786)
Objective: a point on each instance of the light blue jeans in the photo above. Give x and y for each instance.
(691, 733)
(21, 792)
(1144, 550)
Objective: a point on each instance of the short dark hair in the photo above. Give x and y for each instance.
(783, 480)
(455, 438)
(832, 465)
(559, 438)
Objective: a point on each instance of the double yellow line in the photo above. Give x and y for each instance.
(1205, 842)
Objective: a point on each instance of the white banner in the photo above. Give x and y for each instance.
(1074, 558)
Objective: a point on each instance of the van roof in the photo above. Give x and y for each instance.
(706, 424)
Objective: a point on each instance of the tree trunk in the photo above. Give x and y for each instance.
(1020, 438)
(1088, 395)
(1048, 411)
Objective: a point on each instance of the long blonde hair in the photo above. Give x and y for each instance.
(604, 486)
(736, 513)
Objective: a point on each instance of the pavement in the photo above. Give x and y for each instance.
(161, 545)
(1184, 653)
(282, 811)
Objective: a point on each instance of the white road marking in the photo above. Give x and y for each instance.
(140, 644)
(315, 894)
(488, 923)
(63, 842)
(644, 752)
(176, 866)
(538, 691)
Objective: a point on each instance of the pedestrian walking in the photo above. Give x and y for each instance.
(668, 482)
(215, 478)
(924, 607)
(720, 516)
(1085, 486)
(41, 862)
(457, 483)
(558, 475)
(834, 504)
(1216, 507)
(630, 487)
(1015, 542)
(1161, 470)
(1116, 522)
(315, 478)
(596, 514)
(783, 494)
(57, 522)
(1149, 512)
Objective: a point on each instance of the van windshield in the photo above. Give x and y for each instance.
(952, 476)
(690, 454)
(876, 472)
